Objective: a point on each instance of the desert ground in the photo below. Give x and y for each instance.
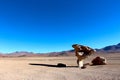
(44, 68)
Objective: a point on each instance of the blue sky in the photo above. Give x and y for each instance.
(54, 25)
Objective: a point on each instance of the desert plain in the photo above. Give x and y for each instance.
(45, 68)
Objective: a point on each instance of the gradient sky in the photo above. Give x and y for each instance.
(54, 25)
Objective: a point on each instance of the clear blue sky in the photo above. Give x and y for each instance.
(54, 25)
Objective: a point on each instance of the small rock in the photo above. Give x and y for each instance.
(61, 65)
(99, 61)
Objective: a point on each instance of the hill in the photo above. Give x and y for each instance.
(107, 49)
(110, 49)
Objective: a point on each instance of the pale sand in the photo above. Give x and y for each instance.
(44, 68)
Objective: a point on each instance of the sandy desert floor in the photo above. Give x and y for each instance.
(44, 68)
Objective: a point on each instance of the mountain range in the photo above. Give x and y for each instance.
(107, 49)
(110, 49)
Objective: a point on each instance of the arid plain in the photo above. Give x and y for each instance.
(45, 68)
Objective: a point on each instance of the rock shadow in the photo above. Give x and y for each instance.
(59, 65)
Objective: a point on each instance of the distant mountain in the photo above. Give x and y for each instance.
(110, 49)
(62, 53)
(20, 54)
(107, 49)
(31, 54)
